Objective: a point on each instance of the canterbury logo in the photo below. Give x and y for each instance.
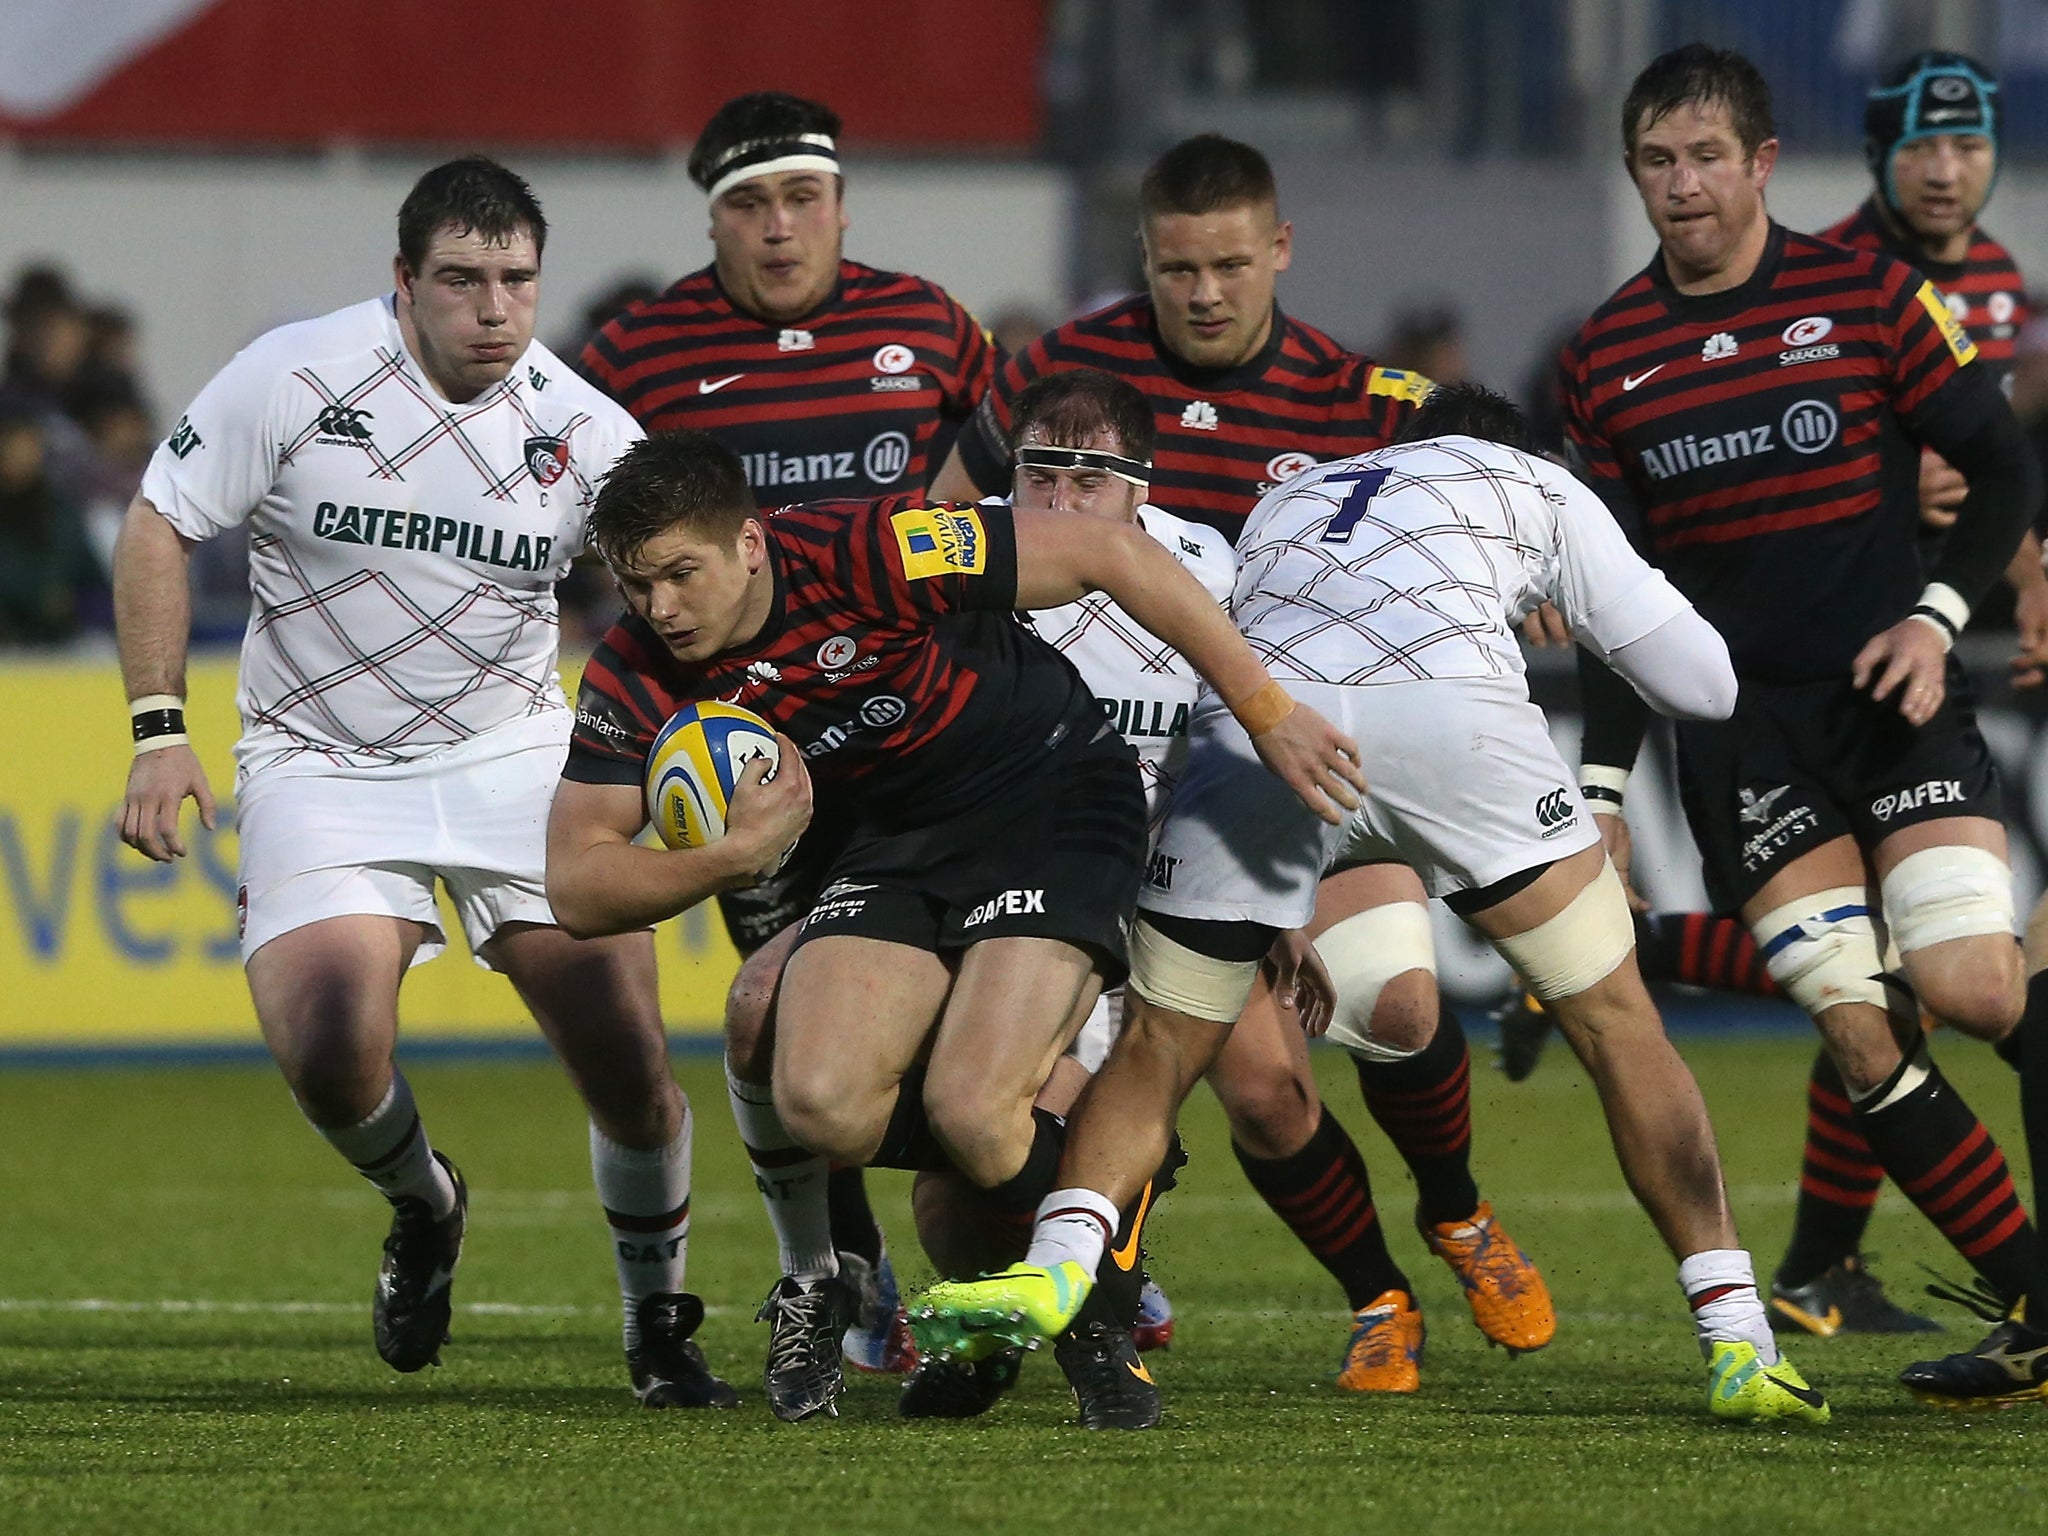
(342, 421)
(1555, 809)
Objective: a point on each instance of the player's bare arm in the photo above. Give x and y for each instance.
(1061, 559)
(953, 482)
(153, 619)
(600, 881)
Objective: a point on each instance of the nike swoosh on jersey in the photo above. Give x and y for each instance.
(713, 386)
(1639, 378)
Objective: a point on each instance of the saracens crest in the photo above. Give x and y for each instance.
(548, 458)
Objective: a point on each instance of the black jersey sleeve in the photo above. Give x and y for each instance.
(617, 717)
(1969, 423)
(1616, 716)
(936, 560)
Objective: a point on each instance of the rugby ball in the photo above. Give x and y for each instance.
(693, 766)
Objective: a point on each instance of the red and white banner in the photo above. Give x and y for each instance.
(590, 74)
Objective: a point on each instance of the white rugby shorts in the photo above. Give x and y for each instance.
(320, 841)
(1464, 787)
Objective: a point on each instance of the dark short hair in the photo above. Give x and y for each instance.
(1205, 174)
(1071, 406)
(1469, 410)
(756, 115)
(670, 480)
(471, 195)
(1699, 76)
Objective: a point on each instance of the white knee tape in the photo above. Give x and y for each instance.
(1365, 952)
(1822, 949)
(1939, 894)
(1566, 954)
(1170, 974)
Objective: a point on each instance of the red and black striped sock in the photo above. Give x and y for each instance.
(2033, 1043)
(1938, 1151)
(1323, 1195)
(1424, 1104)
(1699, 949)
(1838, 1180)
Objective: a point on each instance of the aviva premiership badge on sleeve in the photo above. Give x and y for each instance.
(935, 542)
(1952, 332)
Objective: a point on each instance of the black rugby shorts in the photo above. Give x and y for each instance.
(1800, 765)
(1060, 858)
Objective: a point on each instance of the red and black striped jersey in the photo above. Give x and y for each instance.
(1226, 436)
(890, 657)
(1984, 290)
(847, 402)
(1760, 442)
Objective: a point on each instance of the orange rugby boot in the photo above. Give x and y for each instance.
(1509, 1300)
(1385, 1352)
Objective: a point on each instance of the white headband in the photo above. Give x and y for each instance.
(768, 157)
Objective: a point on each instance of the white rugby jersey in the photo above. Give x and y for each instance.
(1144, 687)
(403, 551)
(1416, 561)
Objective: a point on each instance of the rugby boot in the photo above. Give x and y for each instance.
(1384, 1353)
(1154, 1327)
(1845, 1298)
(669, 1370)
(1111, 1385)
(958, 1389)
(2010, 1366)
(1524, 1031)
(416, 1282)
(1743, 1390)
(879, 1340)
(1023, 1305)
(805, 1321)
(1509, 1300)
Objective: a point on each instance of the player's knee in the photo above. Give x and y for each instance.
(1578, 947)
(1938, 896)
(1271, 1114)
(1981, 994)
(1382, 962)
(749, 1005)
(986, 1134)
(1822, 949)
(827, 1113)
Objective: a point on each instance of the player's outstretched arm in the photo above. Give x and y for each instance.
(600, 881)
(1061, 559)
(153, 627)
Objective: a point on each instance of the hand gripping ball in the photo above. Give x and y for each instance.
(693, 766)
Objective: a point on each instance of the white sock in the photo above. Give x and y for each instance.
(1720, 1287)
(792, 1181)
(1074, 1225)
(646, 1199)
(389, 1148)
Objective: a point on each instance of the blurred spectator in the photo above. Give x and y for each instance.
(624, 293)
(1428, 339)
(1017, 327)
(48, 576)
(122, 439)
(48, 337)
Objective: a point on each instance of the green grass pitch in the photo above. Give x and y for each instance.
(184, 1345)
